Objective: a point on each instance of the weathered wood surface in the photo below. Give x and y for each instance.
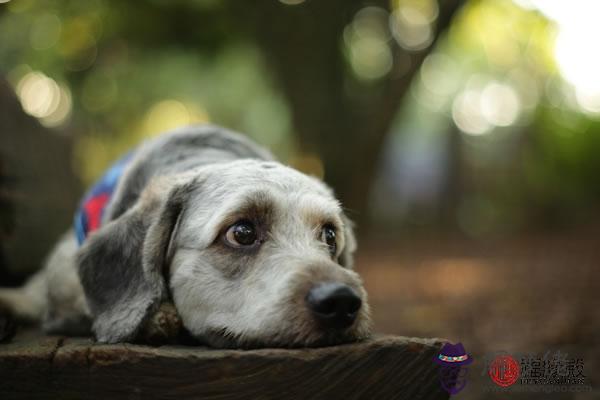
(34, 367)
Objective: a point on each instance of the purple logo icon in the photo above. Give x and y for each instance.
(453, 360)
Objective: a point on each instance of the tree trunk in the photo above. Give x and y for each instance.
(303, 47)
(38, 190)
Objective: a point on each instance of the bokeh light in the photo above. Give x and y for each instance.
(484, 105)
(43, 98)
(467, 114)
(500, 104)
(170, 114)
(439, 81)
(579, 67)
(366, 39)
(578, 32)
(436, 70)
(412, 22)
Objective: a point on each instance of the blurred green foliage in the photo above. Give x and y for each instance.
(516, 148)
(128, 83)
(524, 153)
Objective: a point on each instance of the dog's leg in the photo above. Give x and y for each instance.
(66, 311)
(53, 296)
(25, 304)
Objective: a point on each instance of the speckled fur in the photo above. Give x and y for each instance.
(159, 262)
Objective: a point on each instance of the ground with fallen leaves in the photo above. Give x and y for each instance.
(531, 293)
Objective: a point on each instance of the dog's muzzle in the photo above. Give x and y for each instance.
(333, 305)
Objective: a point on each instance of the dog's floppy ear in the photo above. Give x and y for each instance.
(347, 256)
(121, 265)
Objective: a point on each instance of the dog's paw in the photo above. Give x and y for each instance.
(8, 326)
(162, 327)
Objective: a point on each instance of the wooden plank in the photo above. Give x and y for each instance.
(385, 367)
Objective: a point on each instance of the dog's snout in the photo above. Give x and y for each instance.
(334, 305)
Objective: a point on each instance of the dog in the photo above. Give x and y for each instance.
(201, 232)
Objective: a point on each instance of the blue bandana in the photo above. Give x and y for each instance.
(89, 215)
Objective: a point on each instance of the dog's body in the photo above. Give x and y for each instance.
(247, 251)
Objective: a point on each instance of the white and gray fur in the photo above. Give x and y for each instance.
(161, 244)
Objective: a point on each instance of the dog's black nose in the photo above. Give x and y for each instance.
(334, 305)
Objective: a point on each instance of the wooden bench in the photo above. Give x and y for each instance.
(386, 367)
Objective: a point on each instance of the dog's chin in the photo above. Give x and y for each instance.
(224, 339)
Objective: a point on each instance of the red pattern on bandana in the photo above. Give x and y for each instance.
(93, 209)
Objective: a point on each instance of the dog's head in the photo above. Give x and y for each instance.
(252, 254)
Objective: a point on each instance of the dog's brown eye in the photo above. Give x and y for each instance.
(328, 236)
(242, 233)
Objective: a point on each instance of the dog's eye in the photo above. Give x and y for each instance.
(328, 236)
(242, 233)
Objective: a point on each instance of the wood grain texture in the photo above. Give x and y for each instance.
(33, 367)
